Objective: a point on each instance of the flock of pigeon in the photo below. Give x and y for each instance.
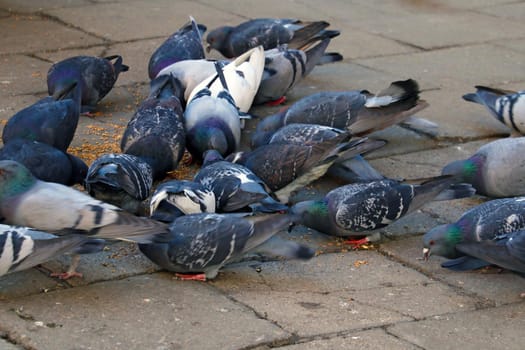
(239, 200)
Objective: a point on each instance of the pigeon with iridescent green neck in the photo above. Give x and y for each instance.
(497, 169)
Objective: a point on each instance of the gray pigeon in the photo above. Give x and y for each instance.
(200, 244)
(358, 209)
(22, 248)
(496, 169)
(506, 106)
(485, 222)
(58, 209)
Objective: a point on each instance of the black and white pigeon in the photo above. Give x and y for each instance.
(485, 222)
(52, 120)
(46, 162)
(268, 32)
(175, 198)
(58, 209)
(184, 44)
(357, 110)
(286, 167)
(212, 120)
(505, 105)
(22, 248)
(235, 186)
(496, 169)
(201, 244)
(285, 67)
(123, 180)
(95, 76)
(156, 131)
(359, 209)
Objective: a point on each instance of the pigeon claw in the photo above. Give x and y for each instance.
(277, 102)
(191, 277)
(357, 243)
(66, 275)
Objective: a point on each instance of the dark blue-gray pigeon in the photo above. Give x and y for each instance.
(95, 76)
(484, 222)
(175, 198)
(496, 169)
(235, 186)
(52, 120)
(156, 131)
(200, 244)
(58, 209)
(505, 105)
(185, 44)
(268, 32)
(356, 110)
(285, 67)
(22, 248)
(360, 209)
(46, 162)
(123, 180)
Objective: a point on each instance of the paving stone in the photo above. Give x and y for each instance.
(27, 282)
(32, 6)
(371, 339)
(53, 36)
(161, 313)
(60, 55)
(512, 11)
(14, 104)
(517, 44)
(468, 330)
(4, 345)
(22, 75)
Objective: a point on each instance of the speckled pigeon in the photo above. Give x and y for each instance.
(357, 110)
(175, 198)
(52, 120)
(268, 32)
(46, 162)
(58, 209)
(156, 132)
(496, 169)
(203, 243)
(95, 75)
(22, 248)
(506, 106)
(184, 44)
(123, 180)
(359, 209)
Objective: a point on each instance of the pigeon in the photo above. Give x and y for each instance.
(156, 131)
(288, 167)
(359, 209)
(241, 78)
(354, 169)
(201, 244)
(235, 186)
(268, 32)
(496, 169)
(175, 198)
(58, 209)
(184, 44)
(52, 120)
(123, 180)
(22, 248)
(212, 121)
(486, 222)
(95, 75)
(46, 162)
(285, 67)
(506, 106)
(355, 110)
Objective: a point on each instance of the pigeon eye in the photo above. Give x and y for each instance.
(431, 242)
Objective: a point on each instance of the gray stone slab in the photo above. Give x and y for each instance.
(4, 345)
(371, 339)
(4, 13)
(27, 282)
(512, 11)
(495, 328)
(491, 287)
(20, 74)
(52, 35)
(32, 6)
(13, 104)
(517, 44)
(60, 55)
(447, 66)
(138, 19)
(144, 312)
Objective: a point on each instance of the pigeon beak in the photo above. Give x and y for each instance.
(208, 48)
(426, 254)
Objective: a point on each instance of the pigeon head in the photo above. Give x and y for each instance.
(15, 179)
(209, 138)
(217, 37)
(165, 87)
(211, 156)
(442, 240)
(271, 123)
(469, 169)
(312, 214)
(61, 81)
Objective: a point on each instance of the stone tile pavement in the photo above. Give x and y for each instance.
(384, 297)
